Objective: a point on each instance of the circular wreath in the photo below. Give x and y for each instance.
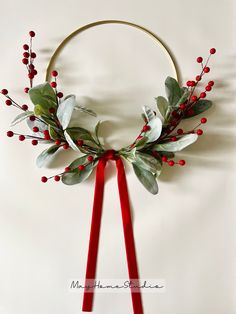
(157, 142)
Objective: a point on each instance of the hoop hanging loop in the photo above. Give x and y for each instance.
(97, 23)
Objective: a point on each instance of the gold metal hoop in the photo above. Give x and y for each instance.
(85, 27)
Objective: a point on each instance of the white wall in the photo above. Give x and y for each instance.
(186, 234)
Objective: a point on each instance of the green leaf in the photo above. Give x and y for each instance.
(77, 176)
(183, 98)
(149, 113)
(21, 117)
(162, 105)
(199, 107)
(177, 146)
(70, 141)
(80, 133)
(155, 129)
(53, 134)
(173, 91)
(79, 161)
(46, 155)
(43, 95)
(128, 155)
(148, 163)
(146, 178)
(65, 110)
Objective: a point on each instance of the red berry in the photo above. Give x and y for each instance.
(206, 69)
(25, 61)
(4, 91)
(25, 47)
(146, 128)
(199, 59)
(175, 114)
(34, 142)
(46, 135)
(54, 73)
(81, 167)
(21, 138)
(173, 139)
(60, 95)
(58, 142)
(44, 179)
(31, 76)
(35, 72)
(194, 98)
(32, 118)
(57, 178)
(32, 33)
(66, 146)
(199, 132)
(10, 133)
(52, 110)
(33, 55)
(171, 163)
(8, 102)
(181, 162)
(24, 107)
(67, 169)
(182, 106)
(192, 84)
(80, 142)
(198, 78)
(26, 90)
(208, 88)
(35, 129)
(203, 120)
(31, 66)
(203, 95)
(188, 83)
(90, 158)
(26, 55)
(164, 158)
(180, 131)
(212, 51)
(53, 84)
(211, 83)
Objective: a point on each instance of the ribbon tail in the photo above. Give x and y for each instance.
(129, 238)
(94, 238)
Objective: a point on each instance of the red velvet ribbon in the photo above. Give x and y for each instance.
(95, 230)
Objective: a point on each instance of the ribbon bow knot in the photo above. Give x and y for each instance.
(95, 231)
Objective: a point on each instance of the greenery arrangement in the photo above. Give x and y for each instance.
(157, 143)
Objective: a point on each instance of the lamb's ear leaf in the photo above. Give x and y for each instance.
(70, 140)
(46, 155)
(148, 163)
(173, 91)
(199, 107)
(162, 105)
(155, 129)
(21, 117)
(147, 179)
(177, 146)
(43, 95)
(76, 176)
(65, 110)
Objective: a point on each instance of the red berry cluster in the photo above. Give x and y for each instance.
(28, 59)
(171, 162)
(57, 177)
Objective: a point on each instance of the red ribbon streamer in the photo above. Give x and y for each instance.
(95, 231)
